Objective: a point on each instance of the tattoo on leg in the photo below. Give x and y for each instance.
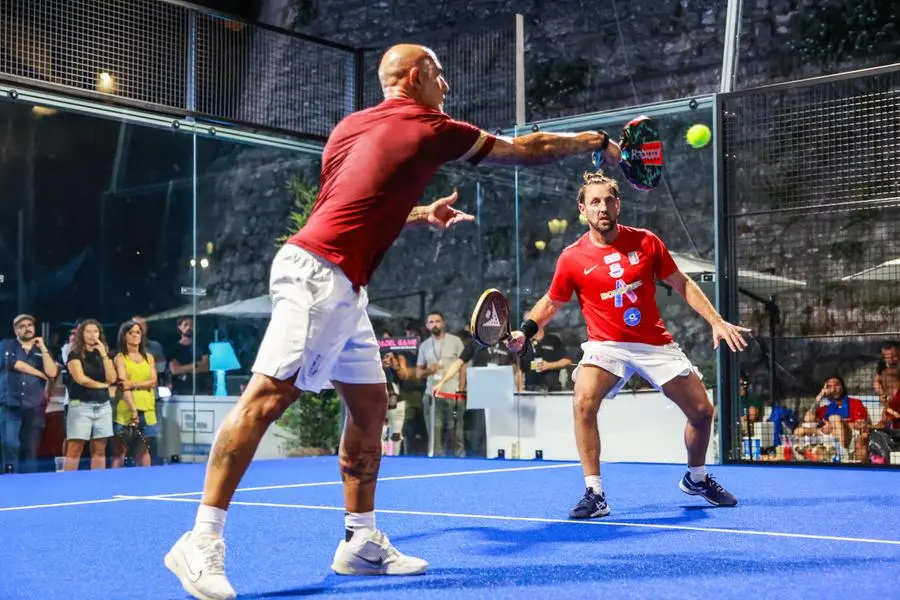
(360, 464)
(223, 455)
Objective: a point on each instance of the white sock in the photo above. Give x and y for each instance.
(210, 520)
(698, 474)
(359, 524)
(593, 482)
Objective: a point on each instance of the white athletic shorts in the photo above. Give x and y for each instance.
(657, 364)
(320, 330)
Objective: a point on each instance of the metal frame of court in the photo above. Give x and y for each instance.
(186, 119)
(728, 291)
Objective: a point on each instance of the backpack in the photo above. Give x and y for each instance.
(881, 443)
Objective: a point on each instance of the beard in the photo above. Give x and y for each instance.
(435, 330)
(611, 225)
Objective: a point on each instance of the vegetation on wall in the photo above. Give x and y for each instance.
(305, 12)
(835, 31)
(552, 82)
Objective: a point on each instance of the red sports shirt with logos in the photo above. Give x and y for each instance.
(616, 285)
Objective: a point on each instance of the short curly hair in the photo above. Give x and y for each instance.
(594, 178)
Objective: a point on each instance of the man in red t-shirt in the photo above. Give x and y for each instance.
(613, 270)
(376, 165)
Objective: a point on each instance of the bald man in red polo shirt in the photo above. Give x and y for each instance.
(376, 165)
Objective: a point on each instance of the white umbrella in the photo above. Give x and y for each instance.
(260, 307)
(886, 271)
(173, 313)
(757, 283)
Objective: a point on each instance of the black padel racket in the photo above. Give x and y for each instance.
(132, 438)
(642, 154)
(490, 319)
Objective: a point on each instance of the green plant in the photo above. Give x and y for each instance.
(313, 422)
(847, 250)
(304, 194)
(307, 11)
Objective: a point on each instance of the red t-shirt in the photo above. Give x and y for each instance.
(375, 167)
(851, 409)
(616, 285)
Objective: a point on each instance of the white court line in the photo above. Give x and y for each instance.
(381, 479)
(119, 498)
(803, 536)
(76, 503)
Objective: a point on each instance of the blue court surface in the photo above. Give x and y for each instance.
(490, 529)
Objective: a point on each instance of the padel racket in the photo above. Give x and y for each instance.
(642, 154)
(132, 438)
(490, 319)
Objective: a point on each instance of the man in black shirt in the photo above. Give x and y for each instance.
(543, 363)
(476, 355)
(184, 363)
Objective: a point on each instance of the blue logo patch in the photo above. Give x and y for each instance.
(632, 317)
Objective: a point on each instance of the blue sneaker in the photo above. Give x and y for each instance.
(709, 488)
(591, 505)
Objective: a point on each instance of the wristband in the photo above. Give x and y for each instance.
(605, 143)
(529, 328)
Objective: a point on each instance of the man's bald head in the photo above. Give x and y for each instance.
(413, 71)
(399, 60)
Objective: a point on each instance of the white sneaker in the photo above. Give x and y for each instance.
(374, 555)
(199, 562)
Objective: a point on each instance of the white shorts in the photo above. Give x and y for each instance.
(657, 364)
(320, 330)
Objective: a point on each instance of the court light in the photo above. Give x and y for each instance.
(42, 111)
(204, 263)
(106, 83)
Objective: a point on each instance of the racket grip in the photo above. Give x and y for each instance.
(597, 159)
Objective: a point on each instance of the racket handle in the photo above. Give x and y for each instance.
(597, 159)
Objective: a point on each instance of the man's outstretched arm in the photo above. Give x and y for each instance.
(543, 148)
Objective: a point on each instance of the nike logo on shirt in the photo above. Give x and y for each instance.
(588, 271)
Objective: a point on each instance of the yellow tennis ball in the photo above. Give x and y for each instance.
(698, 135)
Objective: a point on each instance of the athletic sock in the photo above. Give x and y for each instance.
(593, 482)
(210, 520)
(358, 524)
(698, 474)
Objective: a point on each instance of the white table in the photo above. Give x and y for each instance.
(642, 426)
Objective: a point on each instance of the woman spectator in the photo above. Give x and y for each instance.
(136, 371)
(91, 374)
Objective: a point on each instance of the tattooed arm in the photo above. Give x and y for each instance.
(542, 148)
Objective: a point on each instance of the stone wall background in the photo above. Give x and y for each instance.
(580, 57)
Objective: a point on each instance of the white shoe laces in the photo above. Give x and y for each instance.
(382, 539)
(213, 553)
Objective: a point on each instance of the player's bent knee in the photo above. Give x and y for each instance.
(703, 413)
(266, 399)
(586, 405)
